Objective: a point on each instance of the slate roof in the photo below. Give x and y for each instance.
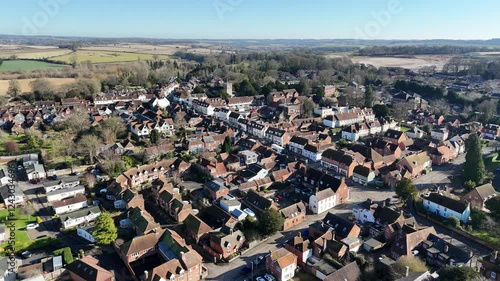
(196, 225)
(447, 202)
(350, 272)
(80, 213)
(88, 269)
(386, 215)
(342, 227)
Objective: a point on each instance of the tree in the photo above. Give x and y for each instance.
(415, 265)
(43, 89)
(463, 273)
(227, 145)
(493, 204)
(271, 222)
(90, 179)
(381, 110)
(14, 89)
(307, 108)
(38, 220)
(368, 97)
(111, 128)
(469, 185)
(88, 145)
(11, 146)
(78, 121)
(453, 222)
(154, 137)
(33, 142)
(473, 168)
(105, 231)
(406, 189)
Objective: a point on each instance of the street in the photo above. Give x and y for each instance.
(232, 271)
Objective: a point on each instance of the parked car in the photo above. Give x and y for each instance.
(26, 254)
(269, 277)
(259, 259)
(32, 226)
(260, 279)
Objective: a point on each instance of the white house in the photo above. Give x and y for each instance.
(253, 172)
(63, 183)
(69, 204)
(355, 131)
(35, 171)
(322, 201)
(160, 102)
(447, 207)
(297, 144)
(12, 195)
(86, 233)
(222, 114)
(2, 232)
(203, 108)
(415, 133)
(363, 175)
(60, 194)
(323, 111)
(75, 218)
(4, 177)
(439, 134)
(229, 205)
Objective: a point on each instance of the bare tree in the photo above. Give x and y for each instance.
(89, 145)
(14, 89)
(90, 179)
(111, 163)
(400, 110)
(111, 128)
(78, 121)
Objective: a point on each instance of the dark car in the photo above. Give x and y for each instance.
(246, 270)
(26, 254)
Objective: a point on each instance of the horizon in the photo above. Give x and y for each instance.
(254, 20)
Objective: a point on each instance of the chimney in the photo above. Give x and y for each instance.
(494, 256)
(407, 271)
(231, 231)
(446, 248)
(383, 203)
(300, 234)
(471, 253)
(146, 275)
(324, 244)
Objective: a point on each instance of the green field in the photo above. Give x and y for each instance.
(27, 65)
(104, 57)
(22, 239)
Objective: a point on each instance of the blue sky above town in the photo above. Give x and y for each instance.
(258, 19)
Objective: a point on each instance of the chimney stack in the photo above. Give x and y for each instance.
(407, 271)
(146, 275)
(494, 256)
(324, 244)
(446, 248)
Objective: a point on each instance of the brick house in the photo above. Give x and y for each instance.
(227, 241)
(293, 215)
(87, 268)
(281, 264)
(416, 163)
(479, 195)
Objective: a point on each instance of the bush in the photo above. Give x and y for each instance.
(453, 222)
(38, 220)
(66, 253)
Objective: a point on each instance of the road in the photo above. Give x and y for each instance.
(441, 175)
(231, 271)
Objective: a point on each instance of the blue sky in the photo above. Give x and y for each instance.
(262, 19)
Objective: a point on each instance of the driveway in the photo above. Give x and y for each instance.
(232, 271)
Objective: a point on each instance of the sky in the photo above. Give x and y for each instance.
(254, 19)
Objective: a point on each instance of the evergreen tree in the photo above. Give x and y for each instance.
(271, 222)
(154, 137)
(227, 145)
(105, 231)
(473, 168)
(406, 189)
(369, 97)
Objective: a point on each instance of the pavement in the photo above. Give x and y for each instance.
(232, 271)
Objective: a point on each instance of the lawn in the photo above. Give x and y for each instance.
(491, 162)
(22, 239)
(104, 56)
(404, 129)
(27, 65)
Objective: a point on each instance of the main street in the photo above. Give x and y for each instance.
(232, 271)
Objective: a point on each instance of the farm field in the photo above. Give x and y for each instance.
(24, 84)
(27, 65)
(153, 49)
(30, 52)
(104, 56)
(414, 62)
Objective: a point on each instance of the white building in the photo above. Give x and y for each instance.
(415, 133)
(69, 204)
(322, 201)
(86, 233)
(12, 195)
(323, 112)
(447, 207)
(63, 183)
(229, 205)
(60, 194)
(82, 216)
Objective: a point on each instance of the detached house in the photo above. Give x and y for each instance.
(78, 217)
(329, 192)
(447, 207)
(226, 242)
(294, 214)
(417, 163)
(479, 195)
(281, 264)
